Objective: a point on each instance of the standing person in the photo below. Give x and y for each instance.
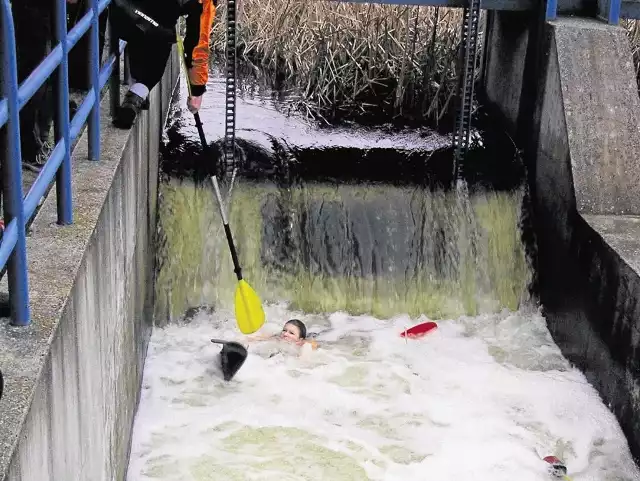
(33, 27)
(79, 77)
(149, 27)
(33, 24)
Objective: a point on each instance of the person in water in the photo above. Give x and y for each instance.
(293, 331)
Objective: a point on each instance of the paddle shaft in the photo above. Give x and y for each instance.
(227, 231)
(203, 139)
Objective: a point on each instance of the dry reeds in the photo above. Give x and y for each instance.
(354, 60)
(633, 32)
(349, 60)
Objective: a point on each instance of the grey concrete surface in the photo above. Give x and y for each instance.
(507, 43)
(72, 377)
(621, 233)
(602, 113)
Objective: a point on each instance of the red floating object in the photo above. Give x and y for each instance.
(419, 330)
(552, 460)
(557, 468)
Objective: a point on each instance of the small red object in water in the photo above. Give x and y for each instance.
(558, 469)
(419, 330)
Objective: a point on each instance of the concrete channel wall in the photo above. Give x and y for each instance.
(73, 377)
(583, 157)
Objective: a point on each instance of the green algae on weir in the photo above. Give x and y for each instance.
(434, 269)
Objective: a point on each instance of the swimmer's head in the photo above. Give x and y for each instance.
(294, 330)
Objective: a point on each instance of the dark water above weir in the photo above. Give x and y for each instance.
(275, 142)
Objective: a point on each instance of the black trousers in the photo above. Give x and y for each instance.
(33, 30)
(148, 50)
(147, 61)
(34, 25)
(78, 56)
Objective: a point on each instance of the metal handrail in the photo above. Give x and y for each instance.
(13, 97)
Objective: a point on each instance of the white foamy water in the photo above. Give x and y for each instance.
(481, 398)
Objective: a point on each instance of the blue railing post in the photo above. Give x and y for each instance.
(13, 207)
(114, 80)
(63, 176)
(613, 16)
(16, 210)
(94, 75)
(127, 71)
(551, 12)
(609, 11)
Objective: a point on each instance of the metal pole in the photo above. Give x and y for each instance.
(551, 10)
(614, 12)
(127, 71)
(13, 207)
(230, 93)
(114, 80)
(94, 75)
(63, 176)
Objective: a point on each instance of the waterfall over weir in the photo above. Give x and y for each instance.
(377, 249)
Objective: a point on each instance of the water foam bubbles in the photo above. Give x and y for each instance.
(480, 398)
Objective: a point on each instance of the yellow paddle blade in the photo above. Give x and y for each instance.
(249, 312)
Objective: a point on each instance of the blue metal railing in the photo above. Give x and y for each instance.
(18, 211)
(608, 10)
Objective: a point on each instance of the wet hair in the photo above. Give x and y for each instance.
(300, 325)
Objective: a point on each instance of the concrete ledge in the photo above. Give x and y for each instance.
(72, 378)
(586, 172)
(602, 114)
(593, 311)
(621, 233)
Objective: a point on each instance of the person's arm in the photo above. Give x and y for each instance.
(197, 48)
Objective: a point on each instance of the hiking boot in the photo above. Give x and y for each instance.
(128, 111)
(32, 165)
(73, 108)
(35, 163)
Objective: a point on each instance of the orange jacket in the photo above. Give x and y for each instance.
(200, 15)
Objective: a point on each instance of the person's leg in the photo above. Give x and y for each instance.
(147, 61)
(148, 48)
(33, 44)
(3, 162)
(78, 56)
(44, 121)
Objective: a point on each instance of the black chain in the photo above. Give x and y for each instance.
(230, 104)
